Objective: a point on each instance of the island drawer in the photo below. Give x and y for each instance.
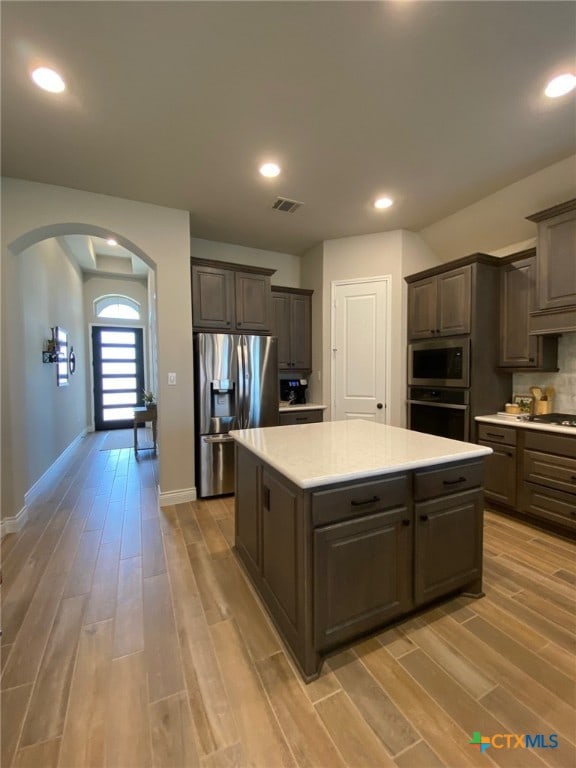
(360, 499)
(452, 478)
(497, 434)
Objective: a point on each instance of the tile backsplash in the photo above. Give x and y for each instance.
(564, 382)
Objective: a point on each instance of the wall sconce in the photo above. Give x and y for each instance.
(51, 349)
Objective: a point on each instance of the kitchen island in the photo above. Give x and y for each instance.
(346, 526)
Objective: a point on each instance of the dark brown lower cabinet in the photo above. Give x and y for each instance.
(336, 562)
(448, 546)
(362, 575)
(500, 481)
(531, 473)
(309, 416)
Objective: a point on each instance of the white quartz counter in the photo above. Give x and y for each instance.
(312, 455)
(285, 407)
(516, 421)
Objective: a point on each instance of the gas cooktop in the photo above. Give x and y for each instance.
(561, 419)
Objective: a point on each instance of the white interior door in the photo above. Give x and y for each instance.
(360, 349)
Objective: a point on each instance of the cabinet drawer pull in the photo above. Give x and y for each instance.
(573, 478)
(454, 482)
(424, 518)
(495, 434)
(405, 523)
(301, 418)
(373, 500)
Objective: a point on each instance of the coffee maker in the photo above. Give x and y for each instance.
(293, 391)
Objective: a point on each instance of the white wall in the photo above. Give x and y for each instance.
(287, 266)
(498, 220)
(160, 236)
(43, 419)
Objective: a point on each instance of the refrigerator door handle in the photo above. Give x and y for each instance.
(241, 349)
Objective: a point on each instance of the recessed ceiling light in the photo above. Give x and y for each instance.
(111, 241)
(383, 202)
(270, 170)
(48, 80)
(560, 85)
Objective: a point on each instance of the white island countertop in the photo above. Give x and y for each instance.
(313, 455)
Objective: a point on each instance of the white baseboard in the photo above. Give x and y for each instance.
(30, 493)
(13, 524)
(176, 497)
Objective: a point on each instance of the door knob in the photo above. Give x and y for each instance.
(379, 406)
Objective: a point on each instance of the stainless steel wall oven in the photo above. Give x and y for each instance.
(442, 412)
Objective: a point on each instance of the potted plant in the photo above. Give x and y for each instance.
(149, 398)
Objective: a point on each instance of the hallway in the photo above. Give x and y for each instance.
(131, 638)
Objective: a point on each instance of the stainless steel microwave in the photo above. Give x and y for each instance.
(439, 363)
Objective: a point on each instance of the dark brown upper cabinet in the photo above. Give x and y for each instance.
(518, 349)
(291, 323)
(230, 298)
(440, 305)
(556, 277)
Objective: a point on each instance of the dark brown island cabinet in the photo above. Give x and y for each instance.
(531, 474)
(230, 298)
(291, 323)
(556, 278)
(336, 560)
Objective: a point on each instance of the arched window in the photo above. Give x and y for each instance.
(117, 308)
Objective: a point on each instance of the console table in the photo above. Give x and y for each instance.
(142, 415)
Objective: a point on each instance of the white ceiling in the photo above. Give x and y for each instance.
(436, 104)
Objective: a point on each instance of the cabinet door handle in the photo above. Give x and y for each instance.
(454, 482)
(495, 434)
(573, 478)
(424, 518)
(266, 497)
(373, 500)
(405, 523)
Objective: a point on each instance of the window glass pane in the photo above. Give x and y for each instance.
(118, 337)
(126, 383)
(118, 353)
(123, 368)
(119, 311)
(117, 414)
(119, 398)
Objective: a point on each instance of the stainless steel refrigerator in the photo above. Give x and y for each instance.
(236, 381)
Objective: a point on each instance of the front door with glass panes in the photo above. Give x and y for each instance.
(118, 360)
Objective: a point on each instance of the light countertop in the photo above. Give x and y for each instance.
(285, 407)
(515, 421)
(312, 455)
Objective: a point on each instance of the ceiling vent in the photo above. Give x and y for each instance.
(288, 206)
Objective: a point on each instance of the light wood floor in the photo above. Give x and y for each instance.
(131, 638)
